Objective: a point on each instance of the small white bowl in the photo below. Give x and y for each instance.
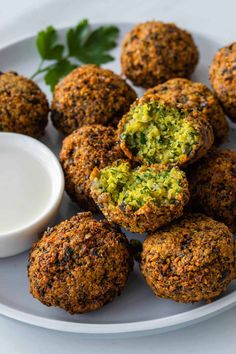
(21, 239)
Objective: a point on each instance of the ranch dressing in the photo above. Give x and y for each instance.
(25, 189)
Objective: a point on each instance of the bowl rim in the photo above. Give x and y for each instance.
(54, 174)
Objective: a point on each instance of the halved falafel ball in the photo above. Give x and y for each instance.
(86, 148)
(23, 106)
(212, 184)
(154, 52)
(222, 76)
(154, 131)
(90, 95)
(189, 95)
(140, 199)
(79, 265)
(191, 260)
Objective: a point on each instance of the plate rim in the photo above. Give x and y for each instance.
(162, 324)
(168, 323)
(63, 28)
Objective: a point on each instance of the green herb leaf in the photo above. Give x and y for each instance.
(85, 45)
(58, 71)
(47, 44)
(94, 58)
(102, 39)
(91, 47)
(76, 37)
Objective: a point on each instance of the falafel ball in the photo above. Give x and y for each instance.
(79, 265)
(23, 106)
(140, 199)
(154, 52)
(186, 94)
(88, 147)
(90, 95)
(191, 260)
(222, 76)
(212, 184)
(156, 131)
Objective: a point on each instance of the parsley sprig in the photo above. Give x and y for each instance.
(83, 46)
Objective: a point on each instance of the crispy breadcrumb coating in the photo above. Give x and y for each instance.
(191, 260)
(23, 106)
(222, 76)
(90, 95)
(154, 52)
(79, 265)
(212, 183)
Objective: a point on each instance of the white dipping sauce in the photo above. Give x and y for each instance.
(25, 189)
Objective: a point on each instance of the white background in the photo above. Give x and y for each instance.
(215, 19)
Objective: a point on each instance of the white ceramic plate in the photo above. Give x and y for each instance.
(136, 311)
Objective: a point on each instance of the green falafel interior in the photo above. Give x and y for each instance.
(131, 189)
(158, 134)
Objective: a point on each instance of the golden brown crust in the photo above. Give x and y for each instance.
(79, 265)
(147, 218)
(189, 95)
(23, 106)
(82, 151)
(191, 260)
(222, 76)
(212, 183)
(154, 52)
(90, 95)
(200, 124)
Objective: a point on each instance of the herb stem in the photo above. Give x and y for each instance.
(41, 70)
(38, 70)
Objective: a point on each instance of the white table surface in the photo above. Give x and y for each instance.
(214, 18)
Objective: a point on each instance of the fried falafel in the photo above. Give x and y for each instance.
(79, 265)
(140, 199)
(191, 260)
(88, 147)
(154, 52)
(212, 184)
(222, 76)
(90, 95)
(189, 95)
(23, 106)
(156, 131)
